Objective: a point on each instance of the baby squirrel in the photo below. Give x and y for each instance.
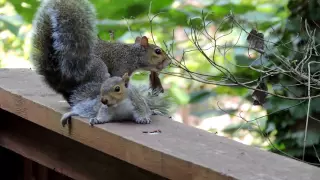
(73, 61)
(118, 100)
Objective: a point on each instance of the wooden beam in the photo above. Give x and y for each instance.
(62, 154)
(179, 152)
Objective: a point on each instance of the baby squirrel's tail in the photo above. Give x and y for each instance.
(64, 33)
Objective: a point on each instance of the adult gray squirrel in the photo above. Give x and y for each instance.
(119, 100)
(73, 61)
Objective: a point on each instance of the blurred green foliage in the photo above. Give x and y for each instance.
(273, 18)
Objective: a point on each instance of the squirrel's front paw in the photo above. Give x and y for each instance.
(95, 120)
(145, 120)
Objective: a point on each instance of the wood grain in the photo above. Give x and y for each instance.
(179, 152)
(62, 154)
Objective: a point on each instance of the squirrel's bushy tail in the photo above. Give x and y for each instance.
(159, 101)
(156, 100)
(63, 36)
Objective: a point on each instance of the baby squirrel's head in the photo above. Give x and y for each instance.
(158, 58)
(114, 90)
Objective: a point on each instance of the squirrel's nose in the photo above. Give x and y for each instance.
(104, 101)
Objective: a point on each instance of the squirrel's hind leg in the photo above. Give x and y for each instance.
(66, 118)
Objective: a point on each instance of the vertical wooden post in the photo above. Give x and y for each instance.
(27, 169)
(42, 172)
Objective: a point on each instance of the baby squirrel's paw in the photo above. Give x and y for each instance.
(144, 120)
(95, 120)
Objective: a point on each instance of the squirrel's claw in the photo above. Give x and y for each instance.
(145, 120)
(93, 121)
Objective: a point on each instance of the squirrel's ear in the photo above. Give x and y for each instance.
(144, 42)
(138, 39)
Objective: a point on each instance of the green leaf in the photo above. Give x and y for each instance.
(232, 128)
(243, 60)
(314, 105)
(179, 95)
(313, 137)
(298, 111)
(196, 23)
(276, 104)
(235, 91)
(270, 127)
(176, 16)
(200, 96)
(26, 9)
(140, 76)
(223, 10)
(120, 9)
(12, 23)
(259, 16)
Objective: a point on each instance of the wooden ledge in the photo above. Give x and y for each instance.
(58, 153)
(179, 152)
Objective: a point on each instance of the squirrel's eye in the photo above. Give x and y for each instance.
(157, 51)
(117, 89)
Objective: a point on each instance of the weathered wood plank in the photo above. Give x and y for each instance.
(179, 152)
(62, 154)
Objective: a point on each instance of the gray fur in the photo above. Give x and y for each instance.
(142, 111)
(123, 58)
(63, 39)
(68, 54)
(86, 108)
(109, 83)
(158, 102)
(139, 106)
(120, 112)
(74, 62)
